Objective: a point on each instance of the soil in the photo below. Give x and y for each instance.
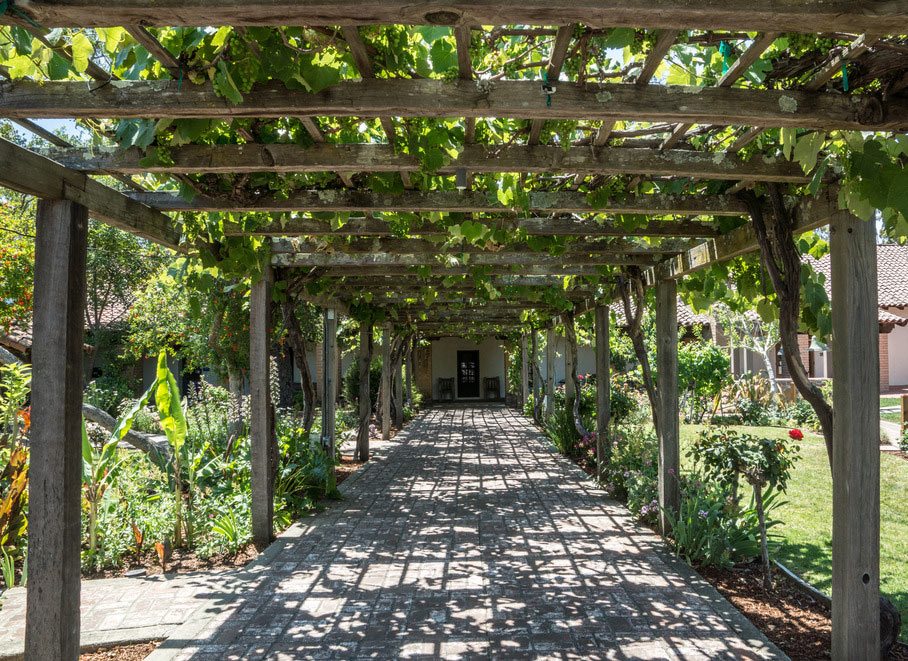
(346, 468)
(794, 621)
(121, 653)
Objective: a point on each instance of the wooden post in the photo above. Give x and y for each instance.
(524, 371)
(365, 391)
(534, 371)
(261, 417)
(398, 381)
(329, 384)
(55, 473)
(904, 425)
(667, 374)
(410, 361)
(386, 383)
(549, 371)
(603, 385)
(569, 390)
(856, 435)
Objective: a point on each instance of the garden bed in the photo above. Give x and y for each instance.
(799, 624)
(135, 652)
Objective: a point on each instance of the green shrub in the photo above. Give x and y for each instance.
(703, 371)
(559, 427)
(351, 380)
(108, 393)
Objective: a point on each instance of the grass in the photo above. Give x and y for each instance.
(806, 530)
(891, 417)
(890, 401)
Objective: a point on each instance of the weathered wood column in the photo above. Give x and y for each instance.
(569, 390)
(549, 371)
(386, 383)
(365, 391)
(261, 419)
(408, 387)
(524, 371)
(534, 371)
(398, 386)
(55, 472)
(855, 453)
(329, 376)
(603, 386)
(667, 374)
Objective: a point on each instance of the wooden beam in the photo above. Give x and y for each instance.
(585, 227)
(356, 260)
(55, 471)
(457, 98)
(811, 213)
(449, 202)
(524, 371)
(376, 248)
(363, 363)
(319, 138)
(463, 37)
(228, 159)
(856, 452)
(553, 71)
(33, 174)
(667, 371)
(497, 269)
(261, 418)
(809, 16)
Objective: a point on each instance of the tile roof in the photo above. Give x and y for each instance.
(892, 280)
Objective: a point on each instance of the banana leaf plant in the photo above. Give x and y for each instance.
(99, 470)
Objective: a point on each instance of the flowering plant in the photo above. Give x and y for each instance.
(795, 434)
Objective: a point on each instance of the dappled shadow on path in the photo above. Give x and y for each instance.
(468, 539)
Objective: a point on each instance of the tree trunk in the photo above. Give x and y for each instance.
(764, 547)
(365, 405)
(782, 261)
(631, 287)
(570, 335)
(298, 346)
(235, 422)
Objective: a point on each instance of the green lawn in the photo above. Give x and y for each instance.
(806, 529)
(891, 417)
(890, 401)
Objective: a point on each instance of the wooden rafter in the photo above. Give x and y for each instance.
(735, 72)
(437, 98)
(834, 64)
(741, 15)
(664, 41)
(364, 64)
(450, 202)
(150, 43)
(33, 174)
(190, 159)
(553, 71)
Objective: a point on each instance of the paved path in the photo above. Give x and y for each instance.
(469, 538)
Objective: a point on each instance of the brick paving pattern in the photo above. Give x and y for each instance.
(468, 538)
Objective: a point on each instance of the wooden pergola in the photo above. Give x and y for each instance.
(702, 222)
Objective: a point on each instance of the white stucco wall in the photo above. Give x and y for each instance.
(898, 351)
(444, 360)
(586, 359)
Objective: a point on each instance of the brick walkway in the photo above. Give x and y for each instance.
(469, 538)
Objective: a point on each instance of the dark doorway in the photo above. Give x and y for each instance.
(468, 374)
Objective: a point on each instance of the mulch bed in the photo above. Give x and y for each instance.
(346, 468)
(797, 623)
(121, 653)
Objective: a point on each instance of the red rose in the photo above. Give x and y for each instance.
(796, 434)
